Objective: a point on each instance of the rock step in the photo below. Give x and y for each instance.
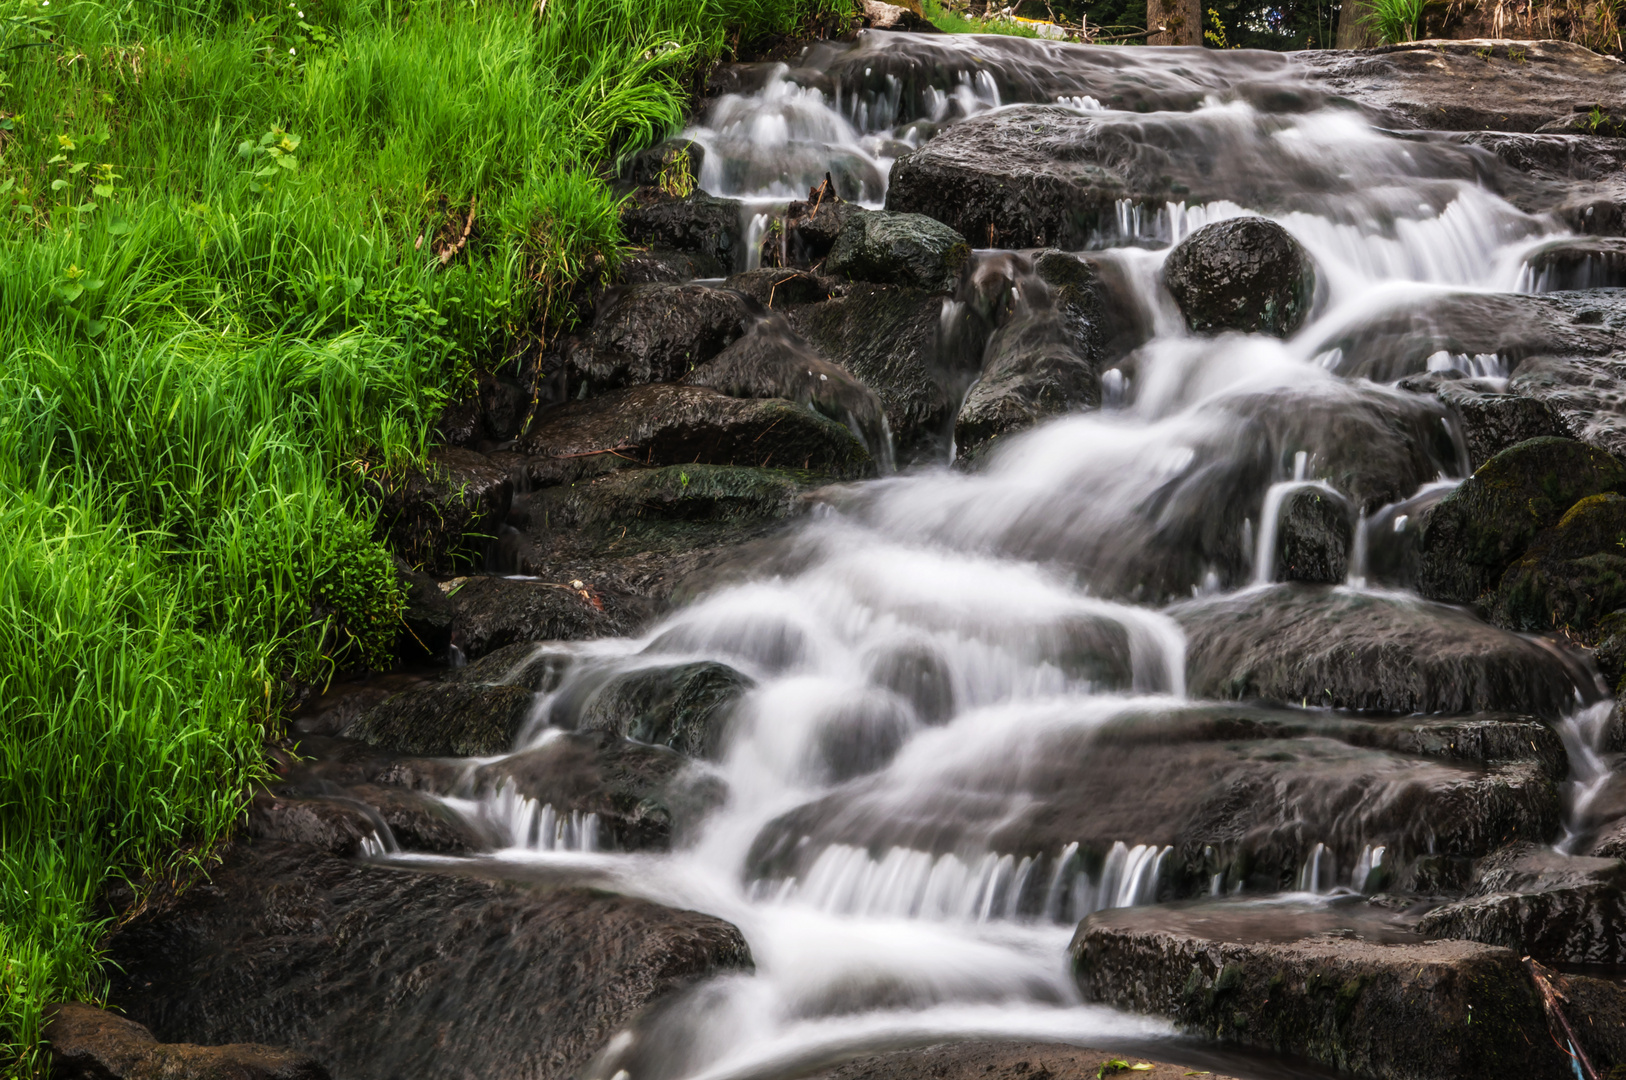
(1349, 990)
(88, 1043)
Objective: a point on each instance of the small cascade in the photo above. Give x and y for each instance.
(529, 825)
(1370, 869)
(1584, 734)
(1318, 872)
(1264, 557)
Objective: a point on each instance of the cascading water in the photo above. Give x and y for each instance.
(932, 644)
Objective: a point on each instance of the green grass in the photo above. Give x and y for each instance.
(952, 22)
(1395, 21)
(218, 326)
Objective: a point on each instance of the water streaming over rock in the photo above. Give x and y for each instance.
(967, 722)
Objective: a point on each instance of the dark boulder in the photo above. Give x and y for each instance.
(772, 362)
(446, 719)
(490, 612)
(525, 663)
(1472, 535)
(682, 706)
(339, 819)
(1598, 263)
(439, 517)
(426, 616)
(641, 794)
(911, 250)
(88, 1043)
(1300, 644)
(1345, 998)
(385, 972)
(1491, 419)
(703, 225)
(679, 425)
(888, 337)
(335, 826)
(662, 266)
(1314, 529)
(655, 333)
(1246, 274)
(1572, 575)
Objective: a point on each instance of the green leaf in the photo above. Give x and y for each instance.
(245, 149)
(102, 191)
(70, 293)
(58, 184)
(85, 207)
(289, 163)
(56, 159)
(120, 228)
(96, 327)
(75, 170)
(7, 185)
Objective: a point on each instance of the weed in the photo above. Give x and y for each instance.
(1396, 21)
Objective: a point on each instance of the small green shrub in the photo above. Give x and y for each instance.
(1396, 21)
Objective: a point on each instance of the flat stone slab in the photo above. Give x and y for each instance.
(1370, 1004)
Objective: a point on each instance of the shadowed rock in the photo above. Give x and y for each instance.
(1491, 420)
(462, 719)
(1572, 575)
(438, 518)
(656, 333)
(700, 224)
(1313, 532)
(911, 250)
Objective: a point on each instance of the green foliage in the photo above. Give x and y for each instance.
(225, 298)
(1395, 21)
(952, 22)
(1215, 34)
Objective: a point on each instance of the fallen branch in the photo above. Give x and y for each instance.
(451, 251)
(1550, 997)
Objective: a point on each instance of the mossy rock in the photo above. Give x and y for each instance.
(1473, 534)
(1573, 574)
(446, 720)
(899, 249)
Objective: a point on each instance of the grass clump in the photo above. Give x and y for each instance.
(1395, 21)
(247, 250)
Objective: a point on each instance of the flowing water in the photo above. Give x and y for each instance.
(929, 646)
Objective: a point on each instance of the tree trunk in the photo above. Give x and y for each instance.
(1177, 22)
(1353, 31)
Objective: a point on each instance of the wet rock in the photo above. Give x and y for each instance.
(490, 612)
(777, 288)
(656, 333)
(1313, 533)
(1440, 1009)
(525, 663)
(808, 230)
(772, 362)
(1572, 575)
(683, 706)
(1491, 420)
(1480, 334)
(448, 719)
(385, 972)
(699, 224)
(1577, 264)
(679, 425)
(1471, 85)
(426, 616)
(1473, 534)
(437, 518)
(1576, 178)
(338, 828)
(1558, 909)
(888, 338)
(642, 794)
(990, 1060)
(1610, 653)
(1044, 361)
(88, 1043)
(1587, 394)
(1244, 794)
(662, 266)
(920, 675)
(911, 250)
(1246, 274)
(1367, 651)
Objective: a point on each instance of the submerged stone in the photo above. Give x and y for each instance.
(1247, 274)
(682, 706)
